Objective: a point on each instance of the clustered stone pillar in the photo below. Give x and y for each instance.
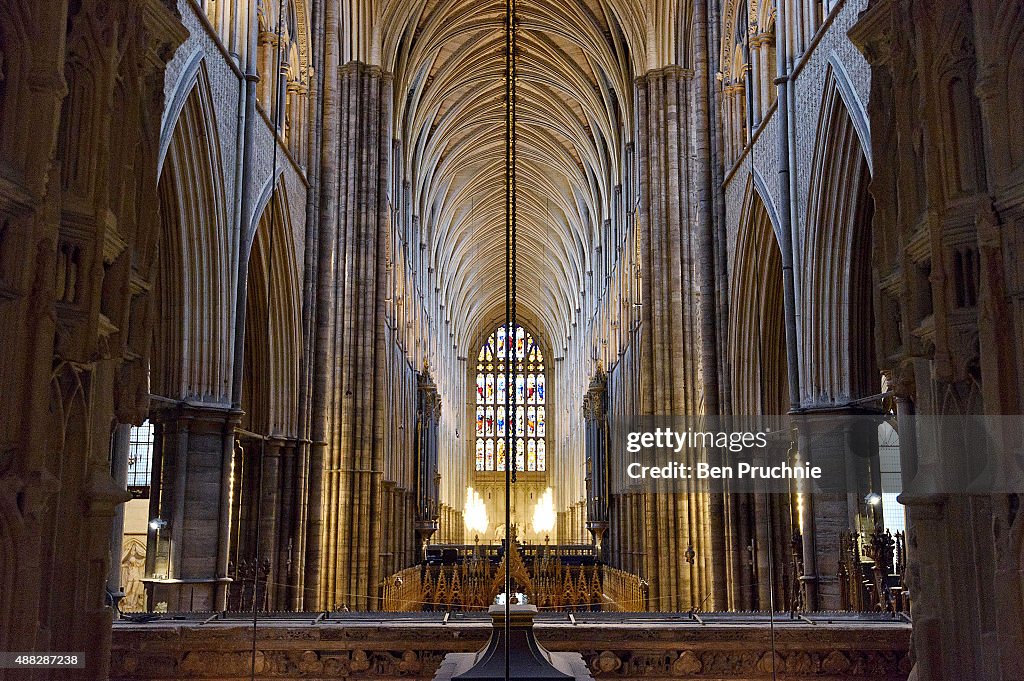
(659, 528)
(119, 454)
(283, 585)
(343, 566)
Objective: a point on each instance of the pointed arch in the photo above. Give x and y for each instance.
(757, 343)
(62, 537)
(839, 78)
(16, 54)
(180, 92)
(273, 326)
(838, 359)
(193, 335)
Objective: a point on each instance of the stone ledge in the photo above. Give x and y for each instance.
(414, 649)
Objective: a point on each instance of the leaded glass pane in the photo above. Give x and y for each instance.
(492, 393)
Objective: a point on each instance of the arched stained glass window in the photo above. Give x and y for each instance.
(492, 401)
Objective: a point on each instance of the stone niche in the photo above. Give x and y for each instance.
(414, 647)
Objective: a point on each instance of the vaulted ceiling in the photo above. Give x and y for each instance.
(577, 63)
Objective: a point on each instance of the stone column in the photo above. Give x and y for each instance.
(755, 75)
(193, 503)
(120, 446)
(155, 494)
(284, 585)
(267, 66)
(269, 501)
(764, 42)
(348, 403)
(678, 366)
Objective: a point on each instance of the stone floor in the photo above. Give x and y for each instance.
(708, 646)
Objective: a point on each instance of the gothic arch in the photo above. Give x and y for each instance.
(1010, 37)
(760, 18)
(195, 268)
(758, 361)
(488, 323)
(960, 139)
(575, 66)
(272, 340)
(296, 28)
(841, 80)
(180, 93)
(838, 355)
(756, 332)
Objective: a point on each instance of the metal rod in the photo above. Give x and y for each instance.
(510, 299)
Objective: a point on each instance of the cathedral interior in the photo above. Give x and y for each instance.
(262, 396)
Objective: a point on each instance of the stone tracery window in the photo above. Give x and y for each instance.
(492, 399)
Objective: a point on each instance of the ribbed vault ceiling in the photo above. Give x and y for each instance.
(575, 105)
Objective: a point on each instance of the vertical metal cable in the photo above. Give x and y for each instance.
(511, 25)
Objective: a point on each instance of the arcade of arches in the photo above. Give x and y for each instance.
(252, 290)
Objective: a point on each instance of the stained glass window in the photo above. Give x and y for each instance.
(527, 391)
